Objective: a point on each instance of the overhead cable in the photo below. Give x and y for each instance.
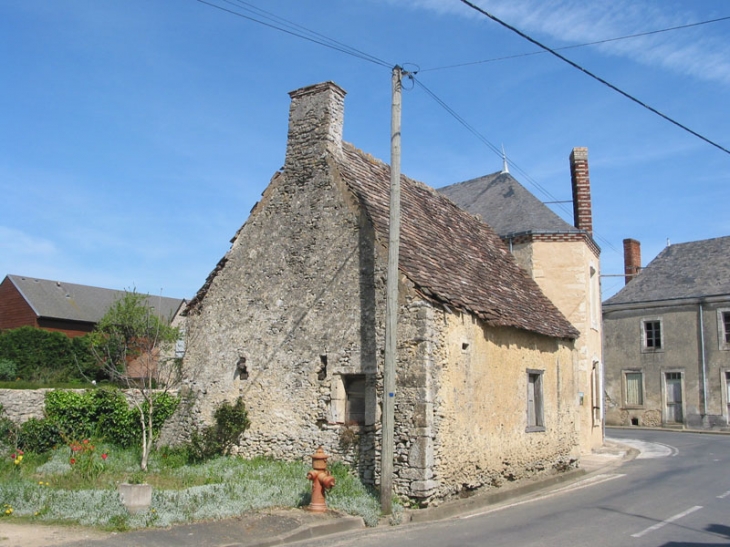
(574, 46)
(295, 30)
(598, 78)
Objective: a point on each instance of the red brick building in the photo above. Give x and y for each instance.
(63, 307)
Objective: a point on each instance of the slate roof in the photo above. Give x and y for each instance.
(449, 254)
(682, 270)
(60, 300)
(507, 206)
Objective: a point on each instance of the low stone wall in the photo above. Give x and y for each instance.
(21, 405)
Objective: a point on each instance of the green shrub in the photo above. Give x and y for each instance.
(231, 421)
(102, 414)
(39, 436)
(114, 420)
(72, 412)
(105, 414)
(49, 357)
(8, 430)
(8, 369)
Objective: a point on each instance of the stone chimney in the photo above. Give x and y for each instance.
(581, 182)
(316, 116)
(632, 259)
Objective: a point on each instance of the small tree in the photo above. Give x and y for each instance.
(131, 344)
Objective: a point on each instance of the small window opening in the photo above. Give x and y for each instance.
(535, 421)
(322, 372)
(653, 330)
(242, 368)
(634, 421)
(464, 346)
(355, 403)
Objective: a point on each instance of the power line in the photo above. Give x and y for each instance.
(607, 40)
(281, 24)
(598, 78)
(498, 152)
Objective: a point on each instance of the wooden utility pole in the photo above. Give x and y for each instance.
(391, 305)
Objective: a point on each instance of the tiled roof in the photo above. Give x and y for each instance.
(60, 300)
(449, 254)
(682, 270)
(507, 206)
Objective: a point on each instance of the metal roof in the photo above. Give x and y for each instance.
(72, 302)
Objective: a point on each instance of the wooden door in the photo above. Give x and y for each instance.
(674, 396)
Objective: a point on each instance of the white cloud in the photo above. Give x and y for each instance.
(689, 52)
(16, 243)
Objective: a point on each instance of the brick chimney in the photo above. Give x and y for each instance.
(632, 259)
(581, 182)
(316, 117)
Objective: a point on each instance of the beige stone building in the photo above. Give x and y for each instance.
(667, 338)
(292, 320)
(563, 259)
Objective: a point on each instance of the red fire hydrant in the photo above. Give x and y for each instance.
(321, 481)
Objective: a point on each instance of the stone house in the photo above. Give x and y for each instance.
(667, 338)
(292, 320)
(563, 259)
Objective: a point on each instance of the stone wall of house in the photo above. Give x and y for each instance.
(480, 407)
(293, 312)
(568, 272)
(686, 343)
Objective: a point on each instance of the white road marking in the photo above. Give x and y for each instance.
(590, 481)
(723, 496)
(649, 450)
(668, 521)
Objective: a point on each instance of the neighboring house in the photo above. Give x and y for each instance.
(562, 259)
(667, 338)
(292, 320)
(63, 307)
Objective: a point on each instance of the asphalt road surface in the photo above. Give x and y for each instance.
(676, 493)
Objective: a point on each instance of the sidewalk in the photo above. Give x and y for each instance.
(281, 526)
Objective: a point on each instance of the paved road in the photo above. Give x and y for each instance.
(677, 493)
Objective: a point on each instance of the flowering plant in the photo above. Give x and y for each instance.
(84, 461)
(17, 458)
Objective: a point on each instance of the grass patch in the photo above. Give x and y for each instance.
(48, 488)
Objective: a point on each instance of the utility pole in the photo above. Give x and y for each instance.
(391, 303)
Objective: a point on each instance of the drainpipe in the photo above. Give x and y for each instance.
(704, 365)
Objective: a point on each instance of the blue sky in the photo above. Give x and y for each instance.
(136, 136)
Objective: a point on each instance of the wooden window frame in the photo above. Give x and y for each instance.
(646, 346)
(535, 414)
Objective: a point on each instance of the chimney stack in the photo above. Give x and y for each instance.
(581, 182)
(632, 259)
(316, 116)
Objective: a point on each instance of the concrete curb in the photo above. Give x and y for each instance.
(457, 507)
(671, 429)
(623, 453)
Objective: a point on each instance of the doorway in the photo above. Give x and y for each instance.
(673, 388)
